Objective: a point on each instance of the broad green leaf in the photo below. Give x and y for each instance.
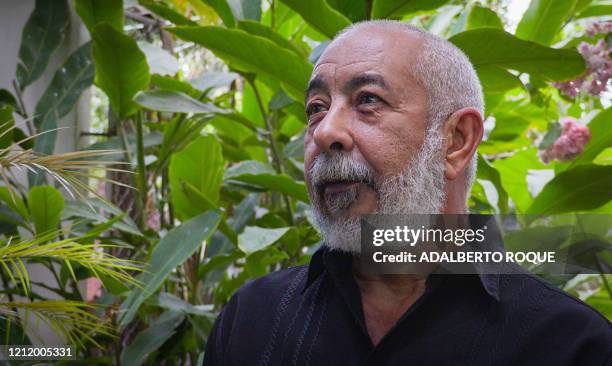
(481, 17)
(256, 238)
(175, 102)
(262, 175)
(495, 79)
(121, 68)
(494, 47)
(167, 13)
(171, 251)
(212, 80)
(168, 301)
(14, 202)
(68, 83)
(223, 9)
(595, 10)
(153, 337)
(43, 32)
(601, 137)
(94, 12)
(543, 19)
(258, 29)
(168, 83)
(584, 187)
(487, 172)
(46, 205)
(253, 54)
(320, 16)
(396, 8)
(513, 172)
(353, 10)
(200, 164)
(160, 61)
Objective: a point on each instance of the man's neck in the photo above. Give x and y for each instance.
(385, 298)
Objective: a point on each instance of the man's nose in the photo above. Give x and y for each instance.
(333, 133)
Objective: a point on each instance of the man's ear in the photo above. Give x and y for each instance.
(463, 132)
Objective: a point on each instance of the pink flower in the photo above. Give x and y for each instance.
(598, 28)
(569, 144)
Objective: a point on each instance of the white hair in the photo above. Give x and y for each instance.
(445, 72)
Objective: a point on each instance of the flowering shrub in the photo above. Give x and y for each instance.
(569, 144)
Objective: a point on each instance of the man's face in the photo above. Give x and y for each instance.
(367, 118)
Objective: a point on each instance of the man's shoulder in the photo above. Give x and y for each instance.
(274, 286)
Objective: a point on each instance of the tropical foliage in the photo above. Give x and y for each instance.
(193, 182)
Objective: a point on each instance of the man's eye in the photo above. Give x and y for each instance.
(314, 108)
(368, 99)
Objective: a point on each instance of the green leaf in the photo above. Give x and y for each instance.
(67, 85)
(513, 172)
(153, 337)
(7, 125)
(256, 238)
(171, 251)
(481, 17)
(353, 10)
(595, 10)
(262, 175)
(121, 68)
(167, 13)
(494, 47)
(94, 12)
(159, 60)
(486, 171)
(14, 202)
(223, 9)
(46, 205)
(212, 80)
(258, 29)
(396, 8)
(553, 133)
(601, 137)
(495, 79)
(543, 19)
(246, 9)
(253, 54)
(169, 83)
(199, 164)
(320, 16)
(175, 102)
(584, 187)
(42, 34)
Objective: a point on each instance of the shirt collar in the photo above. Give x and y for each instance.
(335, 261)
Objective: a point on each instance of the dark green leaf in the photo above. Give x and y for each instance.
(258, 29)
(171, 251)
(253, 54)
(353, 10)
(200, 164)
(7, 125)
(14, 202)
(151, 338)
(260, 174)
(121, 68)
(580, 188)
(320, 16)
(46, 205)
(396, 8)
(494, 47)
(43, 32)
(495, 79)
(553, 133)
(67, 85)
(481, 17)
(543, 19)
(487, 172)
(168, 83)
(94, 12)
(256, 238)
(173, 101)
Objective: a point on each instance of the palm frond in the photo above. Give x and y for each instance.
(73, 319)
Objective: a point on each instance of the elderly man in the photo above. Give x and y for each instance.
(394, 120)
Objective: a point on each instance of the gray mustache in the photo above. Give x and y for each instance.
(339, 167)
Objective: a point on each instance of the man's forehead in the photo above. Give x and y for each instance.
(366, 49)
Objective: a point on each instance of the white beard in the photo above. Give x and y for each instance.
(419, 189)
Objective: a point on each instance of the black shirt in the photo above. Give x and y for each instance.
(312, 315)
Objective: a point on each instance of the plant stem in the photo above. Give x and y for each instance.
(275, 152)
(142, 177)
